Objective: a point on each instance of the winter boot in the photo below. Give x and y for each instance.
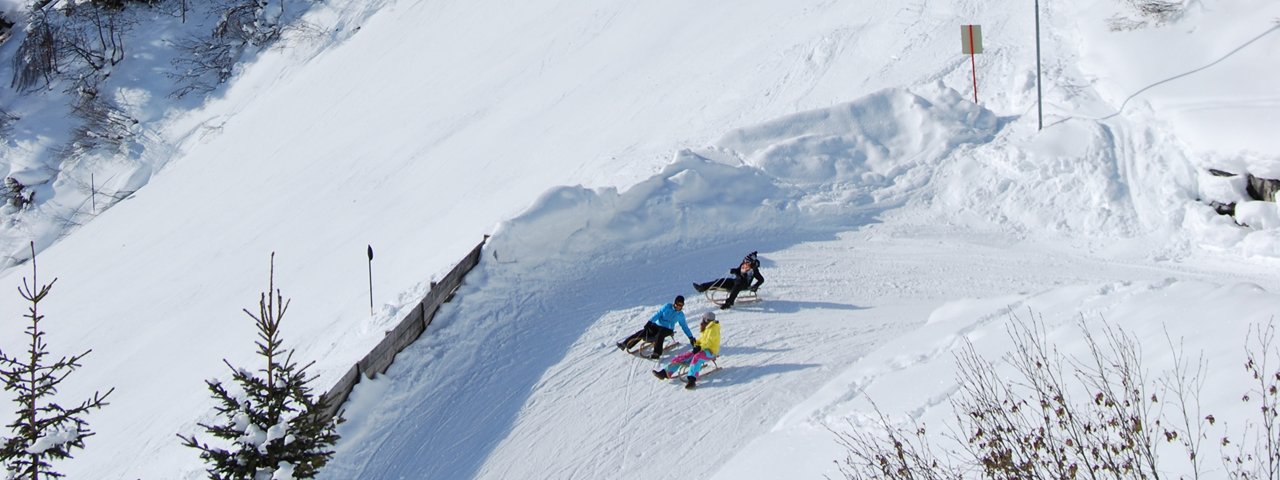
(661, 374)
(699, 287)
(628, 343)
(689, 382)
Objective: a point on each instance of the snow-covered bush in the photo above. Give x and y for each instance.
(81, 40)
(209, 61)
(17, 194)
(268, 426)
(105, 127)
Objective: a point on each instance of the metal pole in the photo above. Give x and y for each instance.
(370, 280)
(93, 194)
(1039, 95)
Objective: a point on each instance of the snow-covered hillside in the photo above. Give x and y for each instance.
(618, 151)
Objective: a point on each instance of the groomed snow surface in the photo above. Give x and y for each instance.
(618, 151)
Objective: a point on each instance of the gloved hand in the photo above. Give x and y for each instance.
(753, 289)
(696, 349)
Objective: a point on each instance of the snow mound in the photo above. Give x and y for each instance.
(872, 140)
(817, 171)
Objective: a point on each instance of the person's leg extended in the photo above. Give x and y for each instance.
(630, 342)
(680, 360)
(698, 360)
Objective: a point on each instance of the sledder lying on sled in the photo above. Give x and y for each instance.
(705, 350)
(725, 291)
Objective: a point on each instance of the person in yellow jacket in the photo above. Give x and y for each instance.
(706, 348)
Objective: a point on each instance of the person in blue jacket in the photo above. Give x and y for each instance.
(659, 327)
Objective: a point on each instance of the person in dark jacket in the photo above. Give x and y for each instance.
(660, 326)
(741, 280)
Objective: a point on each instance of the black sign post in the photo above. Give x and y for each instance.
(1039, 96)
(370, 280)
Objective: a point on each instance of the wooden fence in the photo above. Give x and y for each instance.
(404, 334)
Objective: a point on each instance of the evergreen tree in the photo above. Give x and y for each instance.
(45, 431)
(269, 425)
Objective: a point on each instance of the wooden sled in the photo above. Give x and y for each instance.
(644, 348)
(719, 295)
(708, 369)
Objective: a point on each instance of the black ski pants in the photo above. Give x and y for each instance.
(652, 332)
(729, 283)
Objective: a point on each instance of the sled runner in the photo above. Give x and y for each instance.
(718, 295)
(644, 348)
(710, 367)
(681, 374)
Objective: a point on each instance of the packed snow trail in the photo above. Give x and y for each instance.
(860, 245)
(538, 386)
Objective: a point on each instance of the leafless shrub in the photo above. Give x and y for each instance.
(6, 123)
(244, 20)
(36, 61)
(1257, 451)
(104, 127)
(1124, 24)
(94, 36)
(901, 454)
(82, 40)
(1183, 384)
(1059, 418)
(210, 61)
(203, 65)
(1159, 10)
(1034, 427)
(1149, 12)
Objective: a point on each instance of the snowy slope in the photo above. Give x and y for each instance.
(417, 151)
(1086, 215)
(835, 138)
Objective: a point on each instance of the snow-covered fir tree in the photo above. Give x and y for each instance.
(44, 431)
(269, 425)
